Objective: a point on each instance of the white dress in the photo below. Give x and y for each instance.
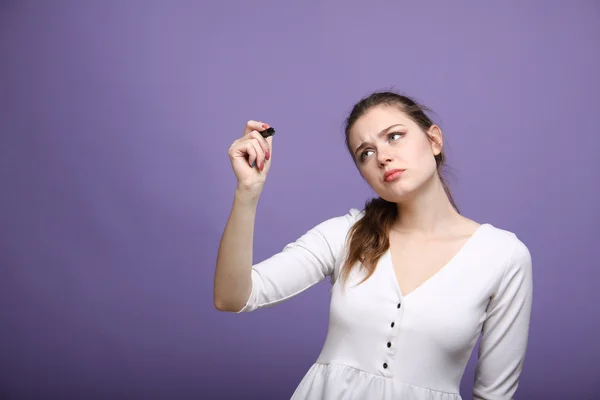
(383, 345)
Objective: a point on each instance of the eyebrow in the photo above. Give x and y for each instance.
(383, 132)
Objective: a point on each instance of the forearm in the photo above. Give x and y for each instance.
(232, 285)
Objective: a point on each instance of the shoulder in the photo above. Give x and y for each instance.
(506, 246)
(506, 240)
(335, 230)
(512, 267)
(340, 224)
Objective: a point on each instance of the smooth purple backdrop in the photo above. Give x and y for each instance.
(115, 121)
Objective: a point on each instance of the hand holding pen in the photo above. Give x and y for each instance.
(250, 156)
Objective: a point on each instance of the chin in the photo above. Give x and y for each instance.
(396, 196)
(399, 193)
(396, 199)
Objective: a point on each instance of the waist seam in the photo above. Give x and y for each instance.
(387, 378)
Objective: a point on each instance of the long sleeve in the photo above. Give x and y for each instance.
(301, 264)
(505, 330)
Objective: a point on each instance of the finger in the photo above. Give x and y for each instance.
(262, 142)
(252, 154)
(260, 154)
(270, 143)
(269, 153)
(255, 125)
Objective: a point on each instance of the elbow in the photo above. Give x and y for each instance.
(220, 301)
(220, 305)
(231, 299)
(228, 300)
(223, 306)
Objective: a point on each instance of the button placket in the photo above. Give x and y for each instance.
(391, 352)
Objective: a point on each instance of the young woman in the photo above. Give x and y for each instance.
(414, 282)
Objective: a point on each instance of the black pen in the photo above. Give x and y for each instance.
(268, 132)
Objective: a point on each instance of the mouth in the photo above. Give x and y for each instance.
(392, 175)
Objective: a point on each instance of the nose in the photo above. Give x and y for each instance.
(384, 157)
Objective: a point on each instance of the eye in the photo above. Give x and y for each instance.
(363, 155)
(394, 135)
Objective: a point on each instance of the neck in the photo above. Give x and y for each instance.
(429, 212)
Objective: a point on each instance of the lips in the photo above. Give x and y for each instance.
(392, 175)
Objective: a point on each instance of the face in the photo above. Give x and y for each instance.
(385, 139)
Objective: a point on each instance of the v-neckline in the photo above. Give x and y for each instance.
(461, 250)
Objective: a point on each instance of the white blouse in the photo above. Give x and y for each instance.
(381, 344)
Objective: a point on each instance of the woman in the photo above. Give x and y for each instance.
(414, 282)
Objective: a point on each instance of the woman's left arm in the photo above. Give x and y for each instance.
(505, 331)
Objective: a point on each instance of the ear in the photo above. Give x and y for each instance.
(435, 136)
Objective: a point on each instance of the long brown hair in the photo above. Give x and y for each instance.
(368, 238)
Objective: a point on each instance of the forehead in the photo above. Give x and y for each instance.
(374, 121)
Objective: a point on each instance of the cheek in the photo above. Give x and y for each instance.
(364, 172)
(423, 157)
(427, 165)
(369, 173)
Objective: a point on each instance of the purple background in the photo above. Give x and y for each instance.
(115, 120)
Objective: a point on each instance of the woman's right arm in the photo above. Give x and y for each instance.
(249, 157)
(234, 260)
